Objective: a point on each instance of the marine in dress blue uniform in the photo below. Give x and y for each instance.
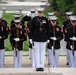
(39, 34)
(56, 35)
(31, 50)
(50, 14)
(71, 42)
(66, 24)
(17, 41)
(4, 31)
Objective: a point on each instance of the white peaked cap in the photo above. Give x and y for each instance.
(40, 9)
(32, 10)
(33, 15)
(17, 13)
(69, 13)
(53, 18)
(51, 13)
(17, 21)
(28, 14)
(73, 18)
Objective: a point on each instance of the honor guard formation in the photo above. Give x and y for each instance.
(44, 33)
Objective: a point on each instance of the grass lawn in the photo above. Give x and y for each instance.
(9, 16)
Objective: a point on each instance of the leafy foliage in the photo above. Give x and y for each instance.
(63, 5)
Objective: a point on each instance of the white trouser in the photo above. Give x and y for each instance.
(72, 59)
(67, 55)
(17, 59)
(30, 52)
(2, 51)
(33, 57)
(40, 48)
(48, 55)
(54, 58)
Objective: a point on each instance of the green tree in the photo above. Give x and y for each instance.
(53, 4)
(74, 8)
(0, 1)
(63, 5)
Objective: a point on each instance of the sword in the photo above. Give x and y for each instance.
(73, 40)
(53, 42)
(16, 49)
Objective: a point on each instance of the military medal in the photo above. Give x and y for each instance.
(0, 37)
(40, 29)
(21, 32)
(20, 26)
(44, 21)
(2, 28)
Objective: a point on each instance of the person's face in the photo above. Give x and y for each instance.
(40, 13)
(73, 23)
(17, 17)
(18, 25)
(53, 22)
(67, 17)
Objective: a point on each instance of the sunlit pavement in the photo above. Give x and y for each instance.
(26, 62)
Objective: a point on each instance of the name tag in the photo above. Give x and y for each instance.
(2, 28)
(40, 29)
(44, 21)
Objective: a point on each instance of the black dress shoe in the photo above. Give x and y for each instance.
(41, 69)
(67, 63)
(37, 69)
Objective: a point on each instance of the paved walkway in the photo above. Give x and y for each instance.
(26, 62)
(28, 70)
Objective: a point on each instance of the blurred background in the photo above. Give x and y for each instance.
(58, 6)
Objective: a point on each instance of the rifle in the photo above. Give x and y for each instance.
(73, 23)
(54, 41)
(16, 42)
(52, 22)
(73, 40)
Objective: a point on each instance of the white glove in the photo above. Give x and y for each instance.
(53, 38)
(71, 47)
(31, 41)
(16, 39)
(73, 38)
(0, 37)
(52, 47)
(48, 41)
